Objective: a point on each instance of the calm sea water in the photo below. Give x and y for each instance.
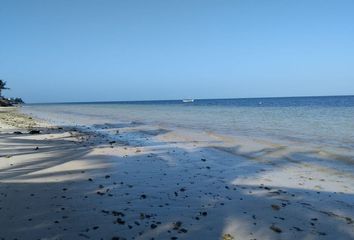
(322, 120)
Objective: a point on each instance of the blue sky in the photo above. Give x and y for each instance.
(85, 50)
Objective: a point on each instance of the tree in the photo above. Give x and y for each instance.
(2, 86)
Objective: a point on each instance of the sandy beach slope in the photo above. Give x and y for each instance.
(61, 183)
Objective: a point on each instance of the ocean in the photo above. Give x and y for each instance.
(323, 121)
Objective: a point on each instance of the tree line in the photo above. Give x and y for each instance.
(4, 102)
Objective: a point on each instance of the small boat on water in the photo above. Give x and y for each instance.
(188, 100)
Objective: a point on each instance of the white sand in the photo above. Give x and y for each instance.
(164, 184)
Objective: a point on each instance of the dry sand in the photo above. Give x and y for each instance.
(160, 184)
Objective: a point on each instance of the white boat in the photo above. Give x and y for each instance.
(188, 100)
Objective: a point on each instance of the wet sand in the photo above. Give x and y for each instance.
(152, 183)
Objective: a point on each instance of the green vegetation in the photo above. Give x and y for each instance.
(2, 87)
(6, 102)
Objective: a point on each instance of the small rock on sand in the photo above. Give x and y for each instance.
(34, 132)
(275, 207)
(227, 236)
(275, 229)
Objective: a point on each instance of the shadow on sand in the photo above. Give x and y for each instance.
(70, 189)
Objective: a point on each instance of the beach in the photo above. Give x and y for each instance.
(151, 181)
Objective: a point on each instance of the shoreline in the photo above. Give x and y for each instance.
(159, 185)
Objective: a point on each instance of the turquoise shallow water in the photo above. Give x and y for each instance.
(320, 120)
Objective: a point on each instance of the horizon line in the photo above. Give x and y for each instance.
(165, 100)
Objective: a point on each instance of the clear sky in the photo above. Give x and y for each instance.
(91, 50)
